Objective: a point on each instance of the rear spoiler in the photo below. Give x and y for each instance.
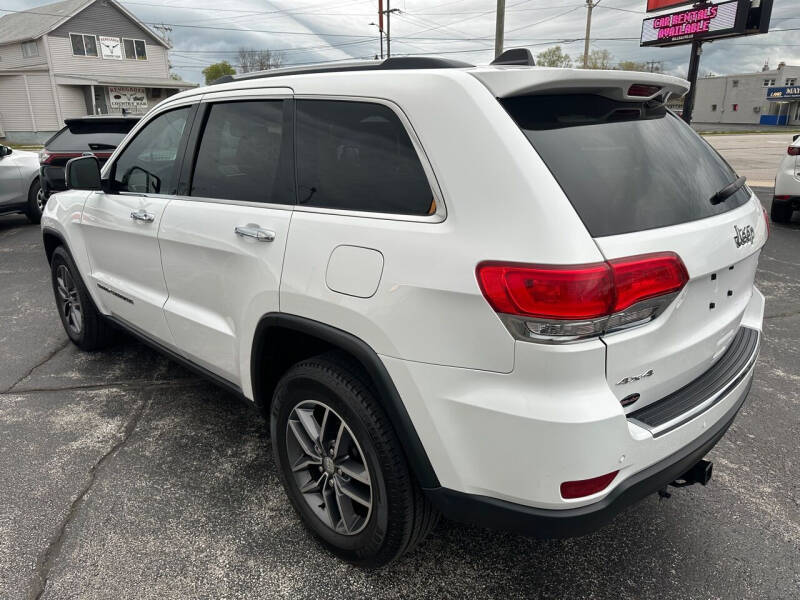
(506, 82)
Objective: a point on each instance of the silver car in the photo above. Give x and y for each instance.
(20, 191)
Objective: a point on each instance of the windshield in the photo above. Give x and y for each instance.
(625, 166)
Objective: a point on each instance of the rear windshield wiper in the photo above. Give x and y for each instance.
(728, 191)
(99, 146)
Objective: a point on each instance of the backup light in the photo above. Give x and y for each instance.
(586, 487)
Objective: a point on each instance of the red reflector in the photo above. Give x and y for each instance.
(647, 276)
(644, 91)
(794, 150)
(575, 292)
(782, 197)
(586, 487)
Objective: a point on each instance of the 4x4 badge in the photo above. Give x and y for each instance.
(743, 236)
(648, 373)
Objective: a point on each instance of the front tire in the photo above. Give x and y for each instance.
(342, 465)
(36, 203)
(781, 211)
(84, 324)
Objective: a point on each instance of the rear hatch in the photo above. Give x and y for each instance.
(99, 136)
(642, 182)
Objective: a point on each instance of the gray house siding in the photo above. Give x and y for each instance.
(106, 19)
(11, 57)
(73, 101)
(64, 63)
(14, 110)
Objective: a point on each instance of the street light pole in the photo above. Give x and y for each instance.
(500, 21)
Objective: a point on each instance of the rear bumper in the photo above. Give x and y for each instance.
(571, 522)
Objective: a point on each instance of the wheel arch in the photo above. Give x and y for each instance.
(282, 340)
(52, 239)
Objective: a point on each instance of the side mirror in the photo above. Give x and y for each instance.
(83, 173)
(5, 151)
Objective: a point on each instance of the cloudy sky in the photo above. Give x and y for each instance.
(308, 31)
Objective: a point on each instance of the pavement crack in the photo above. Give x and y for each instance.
(50, 355)
(122, 385)
(47, 559)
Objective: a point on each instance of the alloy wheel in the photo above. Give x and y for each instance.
(329, 467)
(40, 199)
(68, 300)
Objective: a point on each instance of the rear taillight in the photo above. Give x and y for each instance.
(586, 487)
(794, 151)
(558, 304)
(49, 158)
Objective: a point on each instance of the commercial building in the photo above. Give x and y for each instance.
(77, 58)
(769, 97)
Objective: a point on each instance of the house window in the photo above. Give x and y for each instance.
(735, 107)
(83, 45)
(30, 49)
(135, 49)
(792, 81)
(735, 83)
(713, 108)
(769, 82)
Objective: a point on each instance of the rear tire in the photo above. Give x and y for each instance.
(84, 324)
(36, 203)
(398, 516)
(781, 211)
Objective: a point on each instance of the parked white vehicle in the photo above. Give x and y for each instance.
(20, 191)
(520, 297)
(787, 185)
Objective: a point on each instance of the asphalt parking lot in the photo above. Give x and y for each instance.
(125, 476)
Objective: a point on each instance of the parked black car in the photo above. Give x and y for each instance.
(98, 135)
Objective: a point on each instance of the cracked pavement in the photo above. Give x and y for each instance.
(125, 476)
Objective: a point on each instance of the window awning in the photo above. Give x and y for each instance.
(145, 82)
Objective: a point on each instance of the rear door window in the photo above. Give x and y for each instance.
(245, 154)
(625, 166)
(358, 156)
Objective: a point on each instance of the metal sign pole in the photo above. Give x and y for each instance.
(694, 67)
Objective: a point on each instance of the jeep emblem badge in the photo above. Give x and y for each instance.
(745, 235)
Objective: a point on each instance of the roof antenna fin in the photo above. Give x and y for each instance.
(515, 56)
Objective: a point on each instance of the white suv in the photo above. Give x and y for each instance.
(787, 185)
(516, 296)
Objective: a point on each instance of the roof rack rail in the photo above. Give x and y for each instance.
(397, 62)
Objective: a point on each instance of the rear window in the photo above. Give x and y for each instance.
(624, 166)
(90, 137)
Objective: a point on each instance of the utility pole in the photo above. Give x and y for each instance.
(388, 12)
(589, 7)
(694, 67)
(500, 26)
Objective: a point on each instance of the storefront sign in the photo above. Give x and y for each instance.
(783, 93)
(110, 47)
(711, 21)
(127, 97)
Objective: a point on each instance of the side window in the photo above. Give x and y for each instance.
(358, 156)
(147, 164)
(244, 154)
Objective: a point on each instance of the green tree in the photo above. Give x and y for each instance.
(553, 57)
(632, 65)
(217, 70)
(598, 59)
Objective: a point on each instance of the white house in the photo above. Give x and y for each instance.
(77, 58)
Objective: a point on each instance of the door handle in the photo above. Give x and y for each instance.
(143, 216)
(252, 230)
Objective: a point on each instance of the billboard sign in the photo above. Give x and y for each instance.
(713, 20)
(132, 98)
